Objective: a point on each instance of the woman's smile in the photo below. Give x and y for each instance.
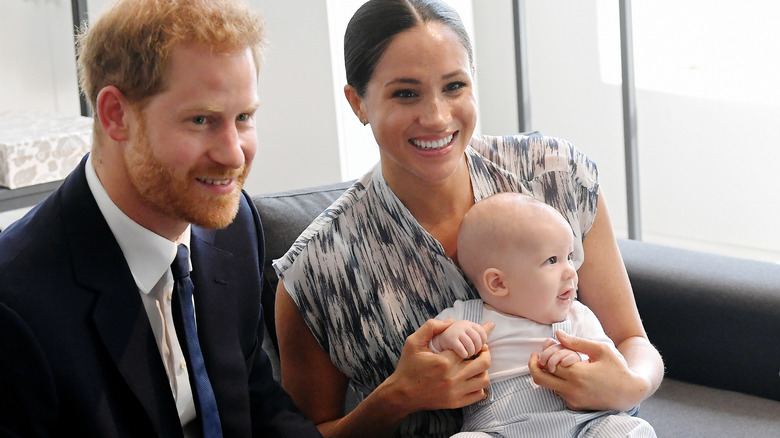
(433, 144)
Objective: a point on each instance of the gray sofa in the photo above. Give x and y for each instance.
(715, 319)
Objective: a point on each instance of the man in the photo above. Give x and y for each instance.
(98, 336)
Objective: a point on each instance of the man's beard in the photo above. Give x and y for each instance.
(160, 189)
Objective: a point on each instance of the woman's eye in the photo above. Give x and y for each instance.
(200, 120)
(405, 94)
(552, 260)
(455, 86)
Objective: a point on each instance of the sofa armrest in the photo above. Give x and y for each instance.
(715, 319)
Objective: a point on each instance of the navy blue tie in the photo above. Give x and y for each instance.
(202, 391)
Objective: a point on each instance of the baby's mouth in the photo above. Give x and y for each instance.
(568, 296)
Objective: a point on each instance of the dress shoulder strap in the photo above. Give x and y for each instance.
(472, 310)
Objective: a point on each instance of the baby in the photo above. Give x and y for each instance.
(517, 251)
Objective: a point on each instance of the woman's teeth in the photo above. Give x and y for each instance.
(432, 145)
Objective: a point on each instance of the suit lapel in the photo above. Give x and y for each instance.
(119, 315)
(213, 273)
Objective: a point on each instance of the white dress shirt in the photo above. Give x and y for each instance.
(149, 257)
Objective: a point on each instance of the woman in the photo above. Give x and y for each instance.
(361, 284)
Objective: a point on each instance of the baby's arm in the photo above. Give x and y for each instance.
(464, 337)
(557, 355)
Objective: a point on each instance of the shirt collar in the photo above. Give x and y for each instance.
(148, 254)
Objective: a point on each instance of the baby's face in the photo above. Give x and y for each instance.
(541, 277)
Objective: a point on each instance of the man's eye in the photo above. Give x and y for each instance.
(200, 120)
(405, 94)
(243, 117)
(552, 260)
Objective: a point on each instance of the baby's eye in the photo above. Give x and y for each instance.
(570, 257)
(552, 260)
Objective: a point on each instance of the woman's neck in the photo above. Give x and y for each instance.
(431, 202)
(438, 207)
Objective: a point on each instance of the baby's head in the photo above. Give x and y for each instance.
(517, 251)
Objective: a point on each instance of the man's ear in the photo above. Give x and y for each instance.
(494, 281)
(112, 110)
(356, 102)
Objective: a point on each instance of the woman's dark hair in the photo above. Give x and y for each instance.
(374, 25)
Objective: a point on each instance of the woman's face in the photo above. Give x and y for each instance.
(421, 106)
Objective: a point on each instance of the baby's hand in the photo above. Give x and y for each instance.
(464, 337)
(555, 355)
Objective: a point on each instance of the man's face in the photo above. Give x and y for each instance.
(196, 140)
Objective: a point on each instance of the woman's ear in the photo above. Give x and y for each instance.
(494, 282)
(356, 102)
(112, 108)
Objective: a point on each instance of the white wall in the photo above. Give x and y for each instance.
(297, 130)
(38, 70)
(493, 29)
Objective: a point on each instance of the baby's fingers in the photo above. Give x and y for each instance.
(570, 359)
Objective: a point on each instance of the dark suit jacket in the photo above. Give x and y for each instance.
(77, 353)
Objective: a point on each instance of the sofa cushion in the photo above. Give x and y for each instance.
(682, 409)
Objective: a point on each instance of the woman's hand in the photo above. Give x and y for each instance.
(603, 382)
(424, 380)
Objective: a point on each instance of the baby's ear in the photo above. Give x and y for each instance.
(494, 282)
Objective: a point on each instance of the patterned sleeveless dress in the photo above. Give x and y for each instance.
(365, 274)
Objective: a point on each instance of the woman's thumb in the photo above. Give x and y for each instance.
(580, 345)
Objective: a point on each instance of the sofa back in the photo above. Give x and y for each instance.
(284, 216)
(715, 319)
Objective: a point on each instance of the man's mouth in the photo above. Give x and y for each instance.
(433, 144)
(216, 182)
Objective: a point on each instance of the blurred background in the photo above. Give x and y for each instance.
(707, 101)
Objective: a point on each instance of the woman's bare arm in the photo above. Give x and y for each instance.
(422, 380)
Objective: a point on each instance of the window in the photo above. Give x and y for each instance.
(708, 105)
